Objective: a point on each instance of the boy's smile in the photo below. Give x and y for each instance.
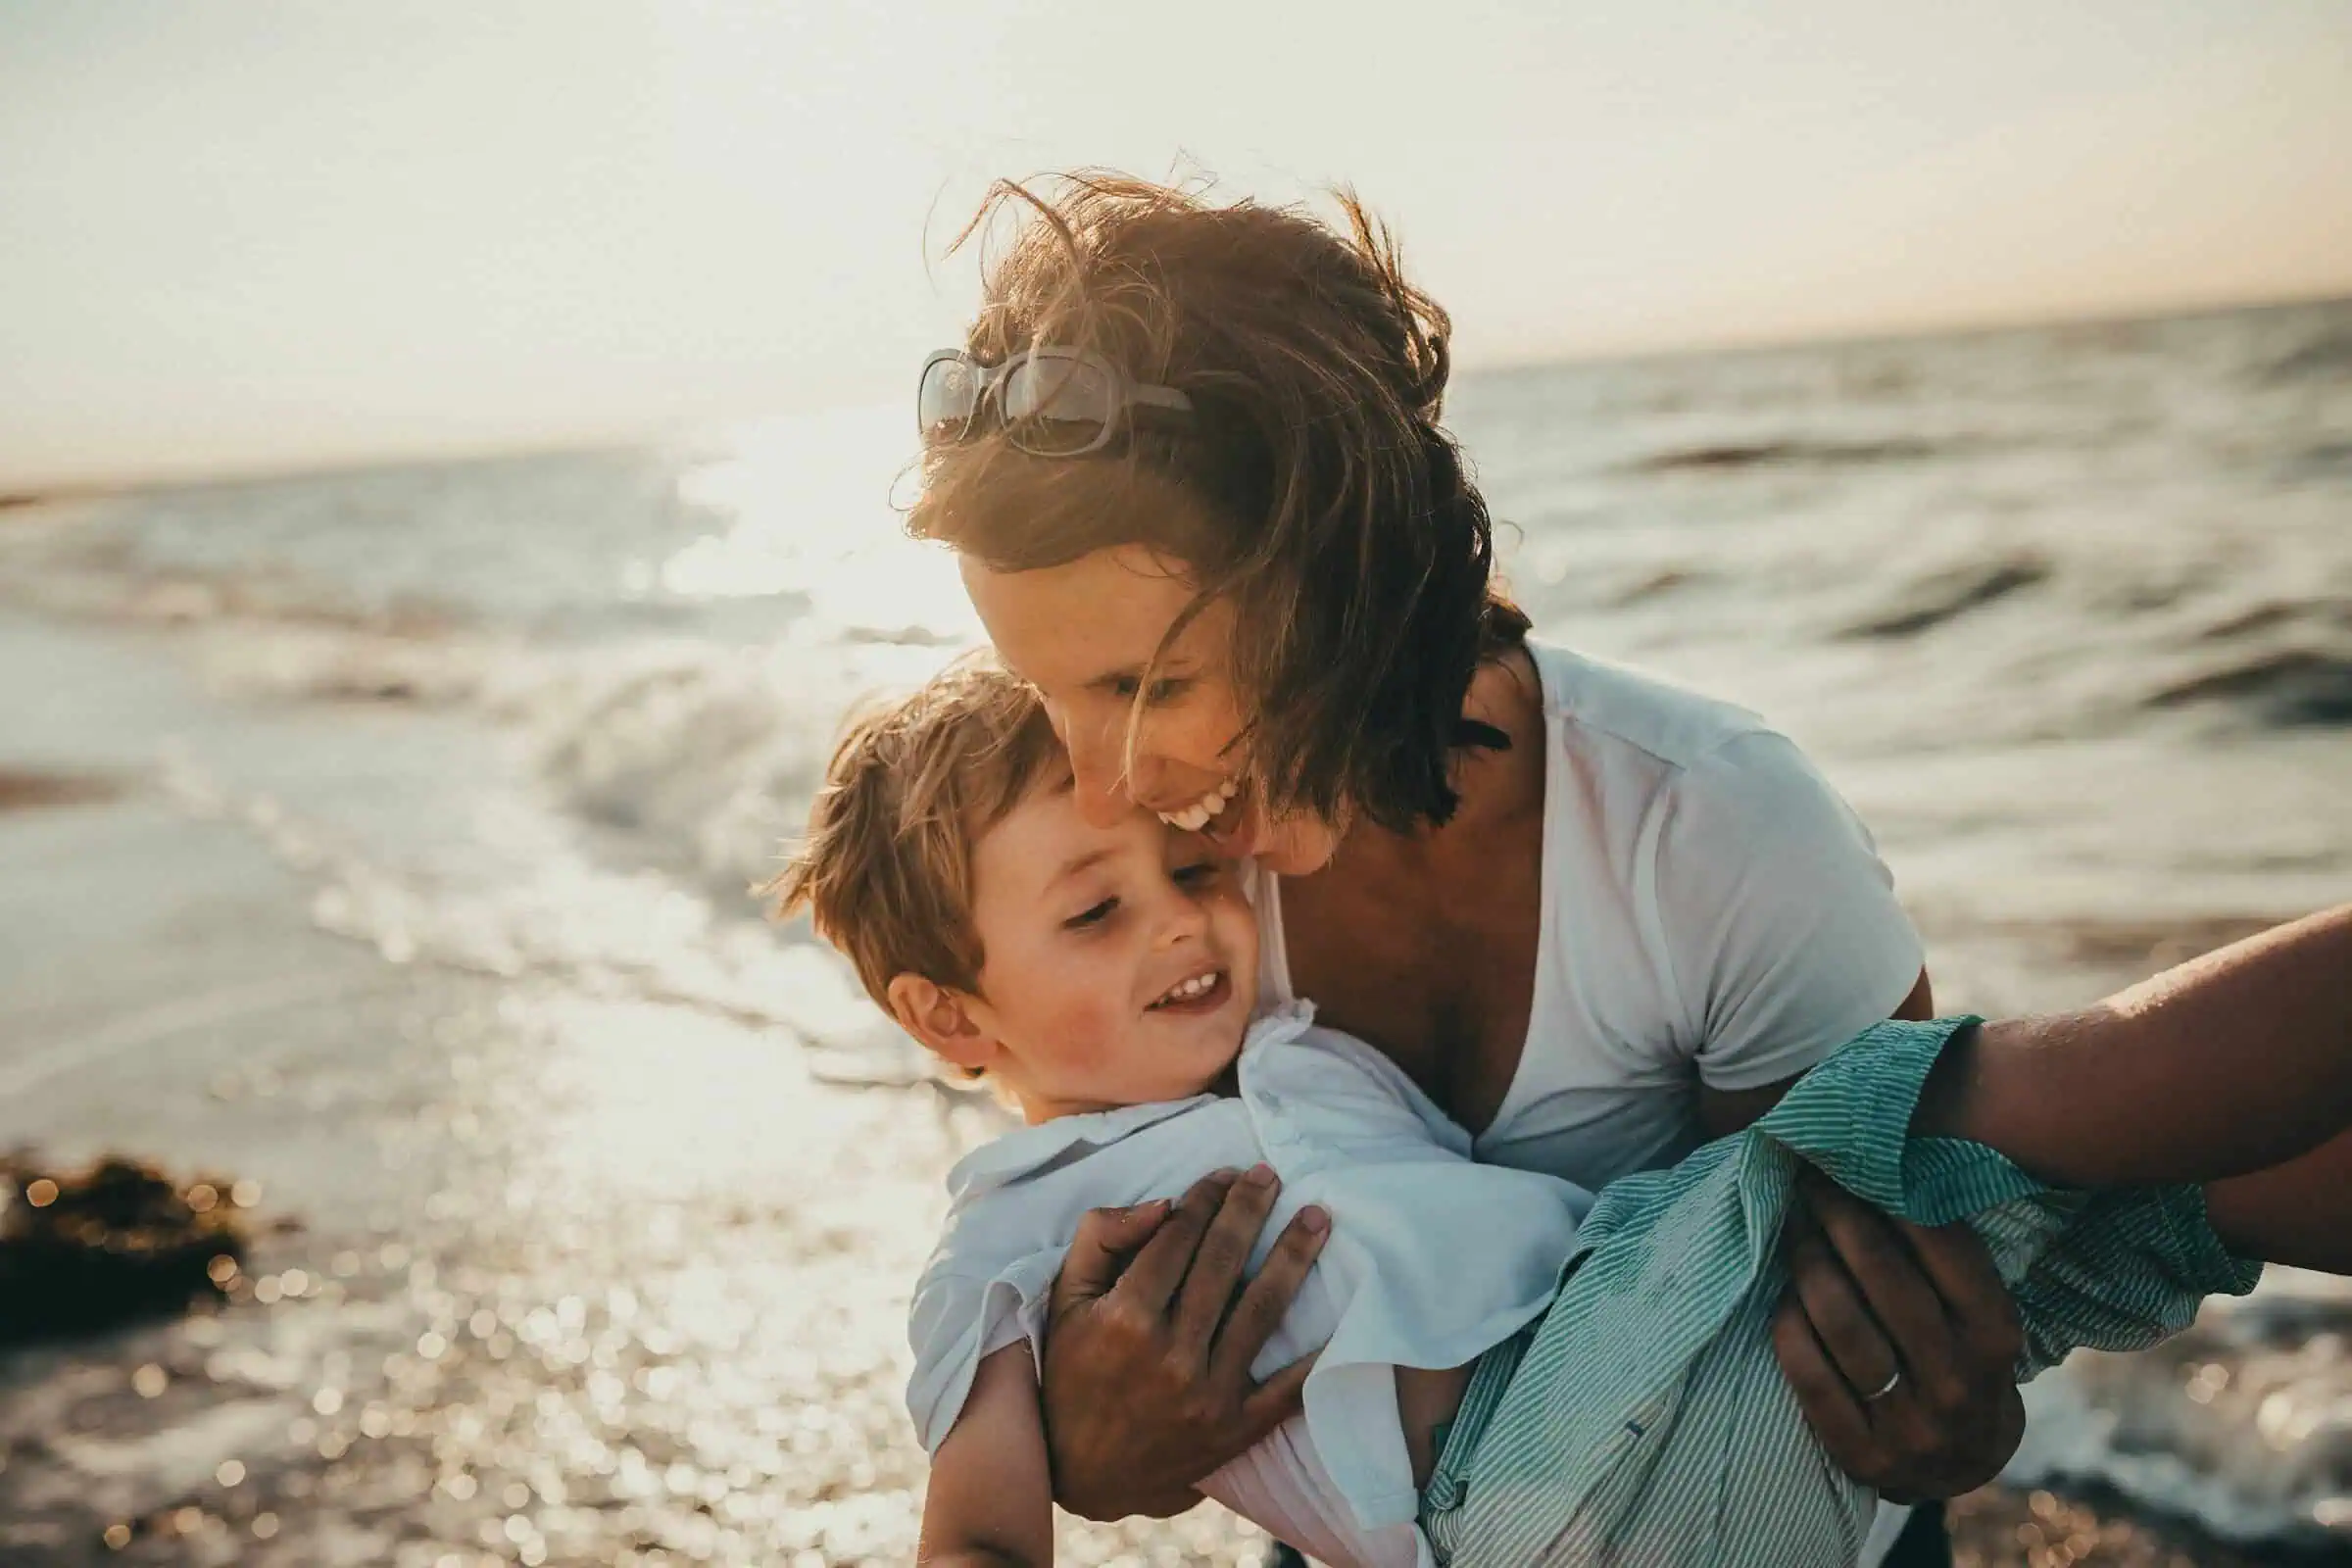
(1119, 962)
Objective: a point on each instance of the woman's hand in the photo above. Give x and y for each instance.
(1872, 1301)
(1148, 1341)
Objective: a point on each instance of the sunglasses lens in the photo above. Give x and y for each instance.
(944, 403)
(1057, 407)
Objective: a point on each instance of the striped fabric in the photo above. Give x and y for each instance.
(1458, 1441)
(1646, 1424)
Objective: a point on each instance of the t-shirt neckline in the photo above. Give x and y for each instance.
(1274, 948)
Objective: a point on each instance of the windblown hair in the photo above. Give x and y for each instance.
(885, 870)
(1317, 490)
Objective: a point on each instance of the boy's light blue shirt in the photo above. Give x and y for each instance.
(1431, 1260)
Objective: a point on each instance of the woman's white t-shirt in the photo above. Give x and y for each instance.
(1713, 913)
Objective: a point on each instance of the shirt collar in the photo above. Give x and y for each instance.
(1026, 1150)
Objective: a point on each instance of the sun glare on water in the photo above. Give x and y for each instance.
(814, 506)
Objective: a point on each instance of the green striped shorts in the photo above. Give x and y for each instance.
(1642, 1421)
(1457, 1442)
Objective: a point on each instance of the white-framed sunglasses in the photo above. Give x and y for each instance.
(1052, 402)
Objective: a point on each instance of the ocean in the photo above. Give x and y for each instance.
(392, 834)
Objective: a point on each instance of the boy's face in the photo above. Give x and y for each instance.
(1119, 962)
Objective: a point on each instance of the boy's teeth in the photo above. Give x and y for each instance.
(1186, 990)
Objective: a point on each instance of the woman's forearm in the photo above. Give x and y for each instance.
(2233, 1062)
(2298, 1212)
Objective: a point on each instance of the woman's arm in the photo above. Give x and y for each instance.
(2230, 1064)
(990, 1503)
(1149, 1340)
(2298, 1213)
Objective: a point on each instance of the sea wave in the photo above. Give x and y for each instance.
(1930, 602)
(1719, 457)
(555, 914)
(702, 761)
(2326, 356)
(2285, 688)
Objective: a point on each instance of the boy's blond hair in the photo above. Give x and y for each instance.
(885, 870)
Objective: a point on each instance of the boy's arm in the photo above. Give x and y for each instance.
(2236, 1062)
(990, 1503)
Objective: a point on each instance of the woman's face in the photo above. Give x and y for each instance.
(1083, 634)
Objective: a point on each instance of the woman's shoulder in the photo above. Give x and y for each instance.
(1691, 777)
(1595, 705)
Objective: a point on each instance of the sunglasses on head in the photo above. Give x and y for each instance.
(1051, 402)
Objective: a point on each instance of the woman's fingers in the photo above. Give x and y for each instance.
(1975, 1301)
(1277, 1399)
(1106, 1239)
(1222, 1259)
(1257, 1311)
(1873, 1298)
(1835, 1309)
(1899, 1295)
(1150, 1282)
(1136, 1413)
(1822, 1391)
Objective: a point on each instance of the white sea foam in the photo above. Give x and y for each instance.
(2243, 1424)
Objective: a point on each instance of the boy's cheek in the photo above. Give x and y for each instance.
(1085, 1037)
(1237, 920)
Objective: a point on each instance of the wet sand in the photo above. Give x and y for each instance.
(24, 790)
(1998, 1526)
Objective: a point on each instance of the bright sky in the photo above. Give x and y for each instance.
(239, 233)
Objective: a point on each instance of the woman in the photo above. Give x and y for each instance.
(1191, 460)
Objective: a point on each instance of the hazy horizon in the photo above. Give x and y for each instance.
(244, 238)
(328, 462)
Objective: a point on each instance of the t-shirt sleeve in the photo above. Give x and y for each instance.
(1776, 919)
(957, 1321)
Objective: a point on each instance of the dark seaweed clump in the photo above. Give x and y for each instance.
(89, 1249)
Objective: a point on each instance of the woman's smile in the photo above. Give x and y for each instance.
(1197, 815)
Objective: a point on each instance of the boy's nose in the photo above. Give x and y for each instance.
(1184, 920)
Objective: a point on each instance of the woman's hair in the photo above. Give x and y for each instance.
(1315, 488)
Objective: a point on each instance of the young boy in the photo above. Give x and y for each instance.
(1506, 1370)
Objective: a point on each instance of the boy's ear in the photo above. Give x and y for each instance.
(942, 1020)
